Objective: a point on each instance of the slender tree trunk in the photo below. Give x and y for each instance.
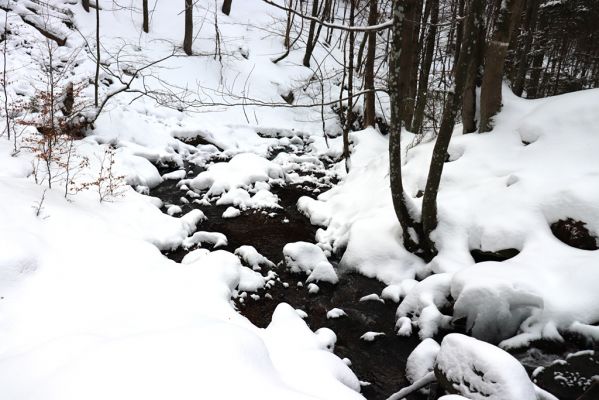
(490, 98)
(188, 27)
(349, 119)
(312, 30)
(85, 4)
(426, 67)
(473, 74)
(227, 7)
(97, 77)
(450, 110)
(4, 75)
(523, 63)
(398, 194)
(369, 97)
(146, 16)
(459, 29)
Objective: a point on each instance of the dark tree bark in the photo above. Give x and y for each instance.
(97, 76)
(530, 23)
(187, 40)
(490, 97)
(406, 61)
(146, 16)
(226, 7)
(426, 67)
(450, 110)
(473, 75)
(311, 32)
(85, 4)
(369, 97)
(398, 194)
(349, 119)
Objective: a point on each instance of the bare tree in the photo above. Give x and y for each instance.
(369, 98)
(450, 110)
(97, 76)
(398, 194)
(187, 40)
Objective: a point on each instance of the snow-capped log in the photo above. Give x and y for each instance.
(50, 21)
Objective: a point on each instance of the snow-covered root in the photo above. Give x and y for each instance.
(419, 384)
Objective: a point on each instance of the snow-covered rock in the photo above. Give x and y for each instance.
(310, 259)
(480, 371)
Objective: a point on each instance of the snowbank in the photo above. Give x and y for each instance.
(500, 190)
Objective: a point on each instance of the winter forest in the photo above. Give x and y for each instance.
(299, 199)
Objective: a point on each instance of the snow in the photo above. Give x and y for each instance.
(310, 259)
(313, 288)
(217, 239)
(335, 313)
(478, 370)
(371, 336)
(371, 297)
(231, 212)
(85, 291)
(243, 170)
(422, 360)
(250, 256)
(497, 194)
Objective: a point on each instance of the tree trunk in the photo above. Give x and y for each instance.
(311, 43)
(426, 67)
(349, 119)
(85, 4)
(369, 97)
(146, 17)
(227, 7)
(398, 195)
(188, 27)
(473, 78)
(490, 97)
(97, 77)
(406, 61)
(450, 110)
(529, 28)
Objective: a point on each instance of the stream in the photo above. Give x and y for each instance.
(380, 364)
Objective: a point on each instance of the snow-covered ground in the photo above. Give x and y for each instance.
(499, 191)
(90, 308)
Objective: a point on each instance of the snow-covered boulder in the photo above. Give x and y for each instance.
(422, 360)
(480, 371)
(309, 258)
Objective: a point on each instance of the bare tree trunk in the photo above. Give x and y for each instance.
(227, 7)
(369, 97)
(4, 75)
(85, 4)
(473, 78)
(398, 194)
(426, 67)
(310, 42)
(146, 16)
(187, 40)
(97, 77)
(450, 110)
(349, 119)
(406, 61)
(490, 97)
